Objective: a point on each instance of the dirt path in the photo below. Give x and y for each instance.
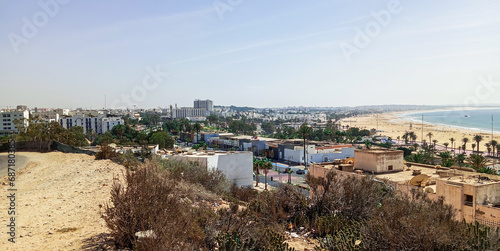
(21, 161)
(58, 202)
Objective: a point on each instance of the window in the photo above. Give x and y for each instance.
(469, 200)
(390, 168)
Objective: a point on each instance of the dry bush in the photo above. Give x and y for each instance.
(418, 223)
(192, 172)
(107, 152)
(151, 201)
(245, 194)
(350, 196)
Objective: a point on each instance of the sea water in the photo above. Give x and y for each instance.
(479, 120)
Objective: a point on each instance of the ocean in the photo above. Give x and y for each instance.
(479, 120)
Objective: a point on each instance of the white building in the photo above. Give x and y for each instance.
(237, 166)
(99, 124)
(207, 104)
(318, 155)
(8, 117)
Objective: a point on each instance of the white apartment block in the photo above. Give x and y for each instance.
(188, 112)
(207, 104)
(98, 124)
(8, 117)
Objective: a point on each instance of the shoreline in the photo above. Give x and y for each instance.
(394, 125)
(404, 116)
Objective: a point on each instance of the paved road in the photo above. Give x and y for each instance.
(21, 162)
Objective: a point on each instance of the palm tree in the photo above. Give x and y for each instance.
(446, 145)
(488, 147)
(416, 146)
(473, 146)
(304, 131)
(406, 137)
(478, 138)
(256, 165)
(197, 128)
(498, 149)
(430, 136)
(452, 140)
(434, 141)
(413, 136)
(494, 144)
(465, 140)
(266, 164)
(477, 161)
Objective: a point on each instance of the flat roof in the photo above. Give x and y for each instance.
(378, 150)
(406, 175)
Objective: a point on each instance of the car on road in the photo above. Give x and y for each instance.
(300, 171)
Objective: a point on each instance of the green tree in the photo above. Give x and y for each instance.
(478, 138)
(197, 128)
(446, 145)
(488, 147)
(75, 137)
(477, 161)
(465, 140)
(266, 164)
(304, 131)
(256, 164)
(430, 136)
(163, 139)
(494, 144)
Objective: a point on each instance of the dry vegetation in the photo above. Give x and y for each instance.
(175, 204)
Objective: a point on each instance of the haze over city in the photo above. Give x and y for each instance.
(248, 53)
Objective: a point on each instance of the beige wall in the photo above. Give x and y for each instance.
(378, 162)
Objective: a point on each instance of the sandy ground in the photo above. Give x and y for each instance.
(57, 191)
(21, 161)
(393, 126)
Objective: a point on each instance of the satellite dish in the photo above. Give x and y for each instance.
(419, 180)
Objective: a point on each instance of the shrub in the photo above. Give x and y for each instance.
(150, 203)
(192, 172)
(107, 152)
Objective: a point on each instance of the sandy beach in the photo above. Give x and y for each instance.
(393, 125)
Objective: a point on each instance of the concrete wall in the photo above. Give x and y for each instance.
(488, 215)
(488, 194)
(453, 195)
(237, 167)
(378, 161)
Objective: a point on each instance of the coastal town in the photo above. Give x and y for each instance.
(258, 149)
(231, 125)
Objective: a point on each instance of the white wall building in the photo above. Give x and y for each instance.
(188, 112)
(8, 117)
(237, 166)
(207, 104)
(99, 124)
(317, 155)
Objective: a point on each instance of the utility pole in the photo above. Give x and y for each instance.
(422, 139)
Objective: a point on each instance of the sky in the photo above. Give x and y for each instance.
(116, 54)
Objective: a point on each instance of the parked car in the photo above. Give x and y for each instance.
(300, 171)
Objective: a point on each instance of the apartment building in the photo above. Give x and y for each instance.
(8, 118)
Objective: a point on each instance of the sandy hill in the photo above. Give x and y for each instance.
(58, 202)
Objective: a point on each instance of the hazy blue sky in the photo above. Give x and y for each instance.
(248, 53)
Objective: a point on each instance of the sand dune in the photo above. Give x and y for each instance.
(58, 201)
